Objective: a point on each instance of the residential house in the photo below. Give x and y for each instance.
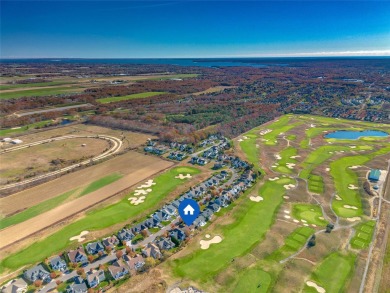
(15, 286)
(78, 255)
(134, 263)
(151, 222)
(177, 234)
(125, 235)
(214, 207)
(170, 209)
(165, 243)
(207, 214)
(138, 228)
(111, 241)
(77, 288)
(152, 250)
(161, 216)
(94, 247)
(58, 264)
(200, 221)
(118, 270)
(94, 278)
(37, 273)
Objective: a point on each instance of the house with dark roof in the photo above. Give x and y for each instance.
(77, 288)
(37, 273)
(58, 264)
(152, 250)
(111, 241)
(165, 243)
(200, 221)
(94, 278)
(125, 235)
(78, 255)
(161, 216)
(94, 247)
(177, 234)
(207, 214)
(134, 263)
(214, 207)
(15, 286)
(118, 270)
(138, 228)
(151, 222)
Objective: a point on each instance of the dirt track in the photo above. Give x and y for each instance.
(145, 169)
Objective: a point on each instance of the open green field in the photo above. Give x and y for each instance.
(363, 235)
(278, 127)
(172, 76)
(56, 201)
(293, 242)
(248, 146)
(4, 132)
(253, 280)
(333, 273)
(36, 84)
(311, 213)
(129, 97)
(41, 92)
(97, 219)
(251, 220)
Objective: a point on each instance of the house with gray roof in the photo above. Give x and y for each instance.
(37, 273)
(78, 255)
(94, 278)
(58, 264)
(94, 247)
(125, 235)
(134, 263)
(165, 243)
(200, 221)
(152, 250)
(177, 234)
(118, 270)
(77, 288)
(111, 241)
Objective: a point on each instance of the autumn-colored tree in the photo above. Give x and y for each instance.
(38, 283)
(128, 250)
(53, 275)
(119, 254)
(150, 262)
(144, 233)
(80, 271)
(58, 282)
(108, 249)
(91, 258)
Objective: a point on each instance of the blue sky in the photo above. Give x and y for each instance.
(130, 29)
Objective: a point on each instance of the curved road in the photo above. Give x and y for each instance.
(116, 146)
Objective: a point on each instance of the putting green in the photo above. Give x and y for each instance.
(310, 213)
(363, 235)
(253, 280)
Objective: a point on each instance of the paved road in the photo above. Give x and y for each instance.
(116, 146)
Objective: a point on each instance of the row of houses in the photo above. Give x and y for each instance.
(177, 156)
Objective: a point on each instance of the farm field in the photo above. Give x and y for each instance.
(129, 97)
(310, 188)
(119, 212)
(38, 92)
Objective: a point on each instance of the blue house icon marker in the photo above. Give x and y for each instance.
(189, 211)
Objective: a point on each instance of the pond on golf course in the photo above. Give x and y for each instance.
(349, 134)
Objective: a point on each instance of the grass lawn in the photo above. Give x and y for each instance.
(129, 97)
(278, 127)
(40, 92)
(248, 146)
(293, 242)
(4, 132)
(333, 273)
(310, 213)
(97, 219)
(56, 201)
(363, 235)
(253, 280)
(285, 158)
(250, 221)
(36, 84)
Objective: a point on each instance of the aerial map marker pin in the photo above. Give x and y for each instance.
(189, 211)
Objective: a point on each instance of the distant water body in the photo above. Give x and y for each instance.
(347, 134)
(199, 62)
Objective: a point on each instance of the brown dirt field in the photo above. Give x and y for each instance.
(146, 167)
(215, 89)
(124, 164)
(36, 159)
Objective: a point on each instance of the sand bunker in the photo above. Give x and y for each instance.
(257, 146)
(265, 131)
(337, 197)
(136, 201)
(240, 140)
(256, 198)
(306, 225)
(245, 137)
(290, 165)
(315, 286)
(327, 169)
(286, 197)
(278, 157)
(350, 207)
(207, 236)
(80, 237)
(289, 186)
(147, 184)
(295, 221)
(303, 221)
(141, 191)
(273, 166)
(321, 218)
(287, 216)
(205, 244)
(354, 167)
(294, 157)
(354, 219)
(286, 211)
(351, 186)
(182, 176)
(353, 146)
